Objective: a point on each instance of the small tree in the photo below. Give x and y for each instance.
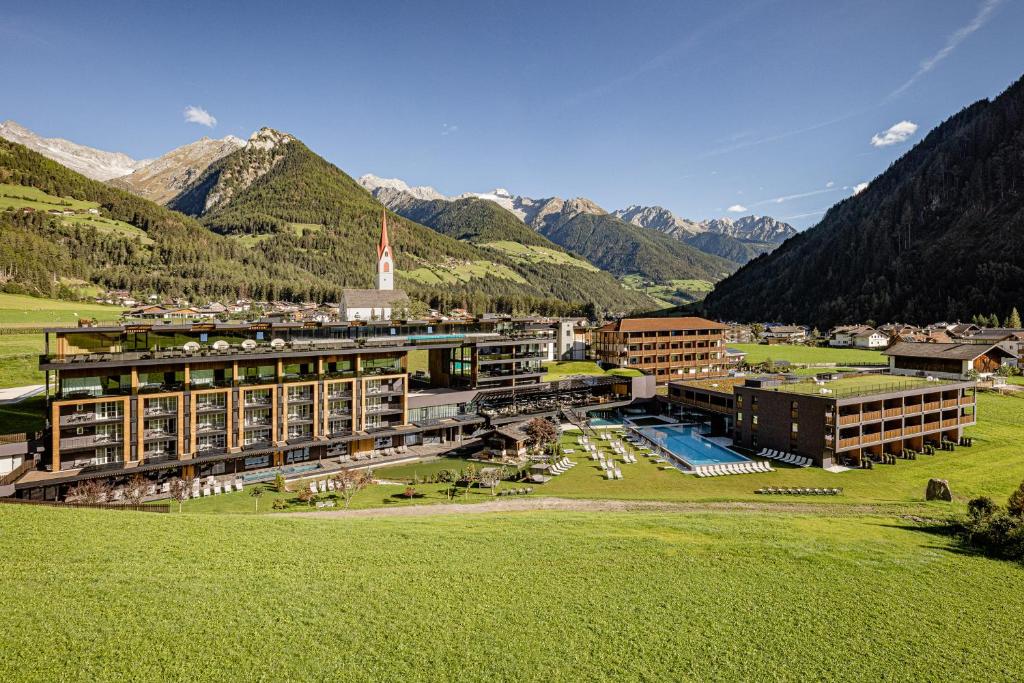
(981, 507)
(351, 482)
(1014, 319)
(180, 490)
(305, 495)
(136, 490)
(279, 483)
(410, 492)
(256, 492)
(90, 492)
(1015, 504)
(540, 433)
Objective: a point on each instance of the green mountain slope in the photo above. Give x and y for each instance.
(728, 247)
(939, 235)
(282, 200)
(132, 243)
(497, 231)
(622, 248)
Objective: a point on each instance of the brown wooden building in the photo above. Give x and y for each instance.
(667, 348)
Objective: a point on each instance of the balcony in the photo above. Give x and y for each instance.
(207, 407)
(251, 380)
(256, 401)
(932, 405)
(912, 429)
(340, 413)
(871, 416)
(257, 422)
(912, 409)
(299, 418)
(161, 411)
(339, 395)
(89, 441)
(950, 403)
(160, 388)
(893, 434)
(871, 438)
(77, 419)
(849, 419)
(257, 443)
(158, 434)
(210, 428)
(950, 423)
(967, 419)
(892, 412)
(198, 385)
(78, 394)
(849, 442)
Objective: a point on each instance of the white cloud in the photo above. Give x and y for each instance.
(200, 116)
(737, 208)
(788, 197)
(895, 134)
(859, 187)
(449, 129)
(817, 212)
(958, 36)
(830, 183)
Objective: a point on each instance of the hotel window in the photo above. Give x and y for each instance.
(739, 417)
(795, 427)
(753, 420)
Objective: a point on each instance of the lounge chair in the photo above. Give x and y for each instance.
(312, 487)
(216, 489)
(206, 491)
(618, 473)
(330, 484)
(323, 486)
(608, 474)
(239, 485)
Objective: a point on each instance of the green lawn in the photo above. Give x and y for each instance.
(671, 293)
(27, 416)
(994, 467)
(809, 355)
(18, 309)
(562, 369)
(541, 596)
(537, 254)
(19, 359)
(462, 271)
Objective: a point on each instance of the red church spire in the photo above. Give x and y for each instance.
(384, 244)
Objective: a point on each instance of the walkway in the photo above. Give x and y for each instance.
(19, 394)
(572, 505)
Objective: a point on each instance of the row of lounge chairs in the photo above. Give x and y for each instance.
(212, 487)
(562, 466)
(784, 457)
(613, 473)
(799, 491)
(732, 468)
(322, 486)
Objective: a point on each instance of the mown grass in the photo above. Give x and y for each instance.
(809, 355)
(993, 467)
(439, 274)
(19, 359)
(25, 416)
(561, 369)
(537, 254)
(21, 309)
(541, 596)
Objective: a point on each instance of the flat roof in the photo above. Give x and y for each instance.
(967, 351)
(722, 385)
(662, 324)
(859, 385)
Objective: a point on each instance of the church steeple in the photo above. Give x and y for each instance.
(385, 259)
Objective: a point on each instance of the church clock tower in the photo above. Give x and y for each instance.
(385, 259)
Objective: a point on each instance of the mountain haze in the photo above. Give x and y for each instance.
(938, 235)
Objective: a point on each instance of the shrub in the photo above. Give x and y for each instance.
(279, 483)
(1015, 505)
(981, 507)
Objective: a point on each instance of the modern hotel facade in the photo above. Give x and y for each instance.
(667, 348)
(218, 398)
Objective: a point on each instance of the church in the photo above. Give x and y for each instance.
(375, 304)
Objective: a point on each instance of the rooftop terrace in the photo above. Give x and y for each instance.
(859, 385)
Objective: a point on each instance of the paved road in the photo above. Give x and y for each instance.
(19, 394)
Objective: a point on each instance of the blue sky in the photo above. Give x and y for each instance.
(698, 106)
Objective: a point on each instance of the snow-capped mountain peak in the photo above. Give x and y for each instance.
(374, 183)
(90, 162)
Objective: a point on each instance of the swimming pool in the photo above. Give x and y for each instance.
(686, 444)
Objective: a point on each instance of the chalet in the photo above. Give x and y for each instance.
(858, 337)
(947, 361)
(785, 334)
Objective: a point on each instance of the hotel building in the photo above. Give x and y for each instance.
(667, 348)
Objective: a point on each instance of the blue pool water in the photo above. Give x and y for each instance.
(687, 445)
(602, 422)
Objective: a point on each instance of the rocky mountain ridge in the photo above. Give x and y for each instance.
(93, 163)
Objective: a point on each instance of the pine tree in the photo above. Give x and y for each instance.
(1014, 320)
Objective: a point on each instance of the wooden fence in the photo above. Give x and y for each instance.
(157, 507)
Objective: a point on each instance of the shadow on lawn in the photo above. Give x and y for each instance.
(950, 529)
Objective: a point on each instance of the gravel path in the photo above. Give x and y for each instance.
(578, 505)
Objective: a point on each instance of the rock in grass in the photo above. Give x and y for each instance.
(938, 489)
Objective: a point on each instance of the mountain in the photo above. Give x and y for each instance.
(752, 228)
(583, 228)
(938, 235)
(738, 241)
(92, 163)
(660, 219)
(164, 178)
(279, 198)
(129, 243)
(396, 186)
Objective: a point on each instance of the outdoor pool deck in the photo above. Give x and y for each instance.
(686, 447)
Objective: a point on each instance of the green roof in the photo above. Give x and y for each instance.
(858, 385)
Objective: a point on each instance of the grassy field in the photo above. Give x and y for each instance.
(19, 196)
(541, 596)
(18, 309)
(992, 467)
(671, 293)
(19, 359)
(27, 416)
(809, 355)
(562, 369)
(438, 274)
(536, 254)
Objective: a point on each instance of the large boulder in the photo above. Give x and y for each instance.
(938, 489)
